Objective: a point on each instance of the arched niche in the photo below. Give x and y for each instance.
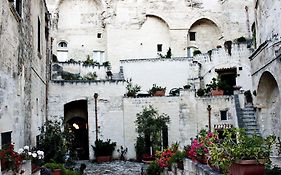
(154, 37)
(205, 34)
(268, 104)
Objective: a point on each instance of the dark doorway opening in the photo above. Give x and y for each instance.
(76, 117)
(228, 75)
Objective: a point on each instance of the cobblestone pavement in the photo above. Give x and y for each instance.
(112, 168)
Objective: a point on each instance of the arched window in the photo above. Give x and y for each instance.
(62, 44)
(62, 51)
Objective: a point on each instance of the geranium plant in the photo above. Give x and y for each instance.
(236, 145)
(199, 146)
(10, 160)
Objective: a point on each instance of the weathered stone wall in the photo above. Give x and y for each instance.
(132, 29)
(266, 67)
(176, 72)
(116, 114)
(19, 86)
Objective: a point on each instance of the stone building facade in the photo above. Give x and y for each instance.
(114, 30)
(265, 61)
(24, 64)
(134, 36)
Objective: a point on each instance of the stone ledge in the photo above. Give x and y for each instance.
(195, 168)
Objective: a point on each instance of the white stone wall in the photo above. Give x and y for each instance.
(265, 63)
(132, 29)
(19, 86)
(116, 114)
(176, 72)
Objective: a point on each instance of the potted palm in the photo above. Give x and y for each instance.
(240, 154)
(103, 150)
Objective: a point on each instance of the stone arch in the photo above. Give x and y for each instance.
(159, 18)
(154, 37)
(204, 33)
(76, 119)
(268, 103)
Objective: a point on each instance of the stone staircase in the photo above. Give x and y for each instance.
(246, 117)
(249, 120)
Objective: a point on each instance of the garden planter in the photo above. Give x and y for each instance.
(101, 159)
(217, 92)
(159, 93)
(246, 167)
(34, 167)
(180, 165)
(202, 159)
(56, 172)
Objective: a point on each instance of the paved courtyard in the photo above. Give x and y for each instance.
(112, 168)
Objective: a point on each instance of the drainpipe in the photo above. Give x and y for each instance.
(209, 116)
(96, 114)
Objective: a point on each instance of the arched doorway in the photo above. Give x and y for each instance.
(76, 118)
(268, 103)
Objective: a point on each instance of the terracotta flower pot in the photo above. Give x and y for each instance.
(217, 92)
(202, 159)
(101, 159)
(247, 167)
(56, 172)
(159, 93)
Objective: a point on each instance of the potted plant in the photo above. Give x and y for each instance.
(177, 158)
(157, 90)
(199, 147)
(240, 154)
(132, 90)
(103, 150)
(56, 168)
(217, 87)
(150, 125)
(54, 141)
(10, 160)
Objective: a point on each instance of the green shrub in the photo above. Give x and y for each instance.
(196, 52)
(104, 148)
(200, 92)
(153, 169)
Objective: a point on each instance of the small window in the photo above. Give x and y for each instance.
(240, 68)
(6, 138)
(99, 35)
(62, 44)
(223, 115)
(159, 47)
(192, 36)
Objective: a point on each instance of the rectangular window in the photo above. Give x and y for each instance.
(39, 36)
(223, 115)
(99, 35)
(6, 138)
(192, 36)
(159, 47)
(98, 56)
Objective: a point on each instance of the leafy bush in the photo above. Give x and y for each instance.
(53, 141)
(200, 92)
(104, 148)
(153, 169)
(196, 52)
